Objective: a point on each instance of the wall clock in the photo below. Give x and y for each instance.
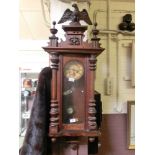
(74, 109)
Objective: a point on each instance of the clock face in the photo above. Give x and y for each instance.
(73, 70)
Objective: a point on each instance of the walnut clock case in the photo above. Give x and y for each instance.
(73, 114)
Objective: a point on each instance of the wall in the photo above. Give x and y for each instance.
(114, 135)
(31, 20)
(31, 56)
(115, 62)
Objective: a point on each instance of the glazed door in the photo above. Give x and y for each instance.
(73, 93)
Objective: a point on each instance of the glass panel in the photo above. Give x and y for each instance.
(28, 88)
(73, 93)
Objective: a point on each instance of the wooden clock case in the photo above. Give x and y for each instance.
(74, 48)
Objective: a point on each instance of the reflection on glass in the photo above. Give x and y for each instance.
(73, 93)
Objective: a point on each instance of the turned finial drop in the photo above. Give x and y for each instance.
(54, 30)
(54, 23)
(95, 31)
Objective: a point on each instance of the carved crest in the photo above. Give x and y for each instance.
(75, 16)
(74, 41)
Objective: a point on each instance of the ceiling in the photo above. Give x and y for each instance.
(31, 20)
(32, 24)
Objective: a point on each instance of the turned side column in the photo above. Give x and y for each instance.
(54, 112)
(92, 125)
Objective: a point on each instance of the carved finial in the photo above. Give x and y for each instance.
(75, 16)
(95, 31)
(95, 24)
(54, 30)
(54, 23)
(95, 40)
(53, 38)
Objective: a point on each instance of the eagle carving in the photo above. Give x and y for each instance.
(75, 16)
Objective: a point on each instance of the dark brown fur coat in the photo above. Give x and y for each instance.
(36, 141)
